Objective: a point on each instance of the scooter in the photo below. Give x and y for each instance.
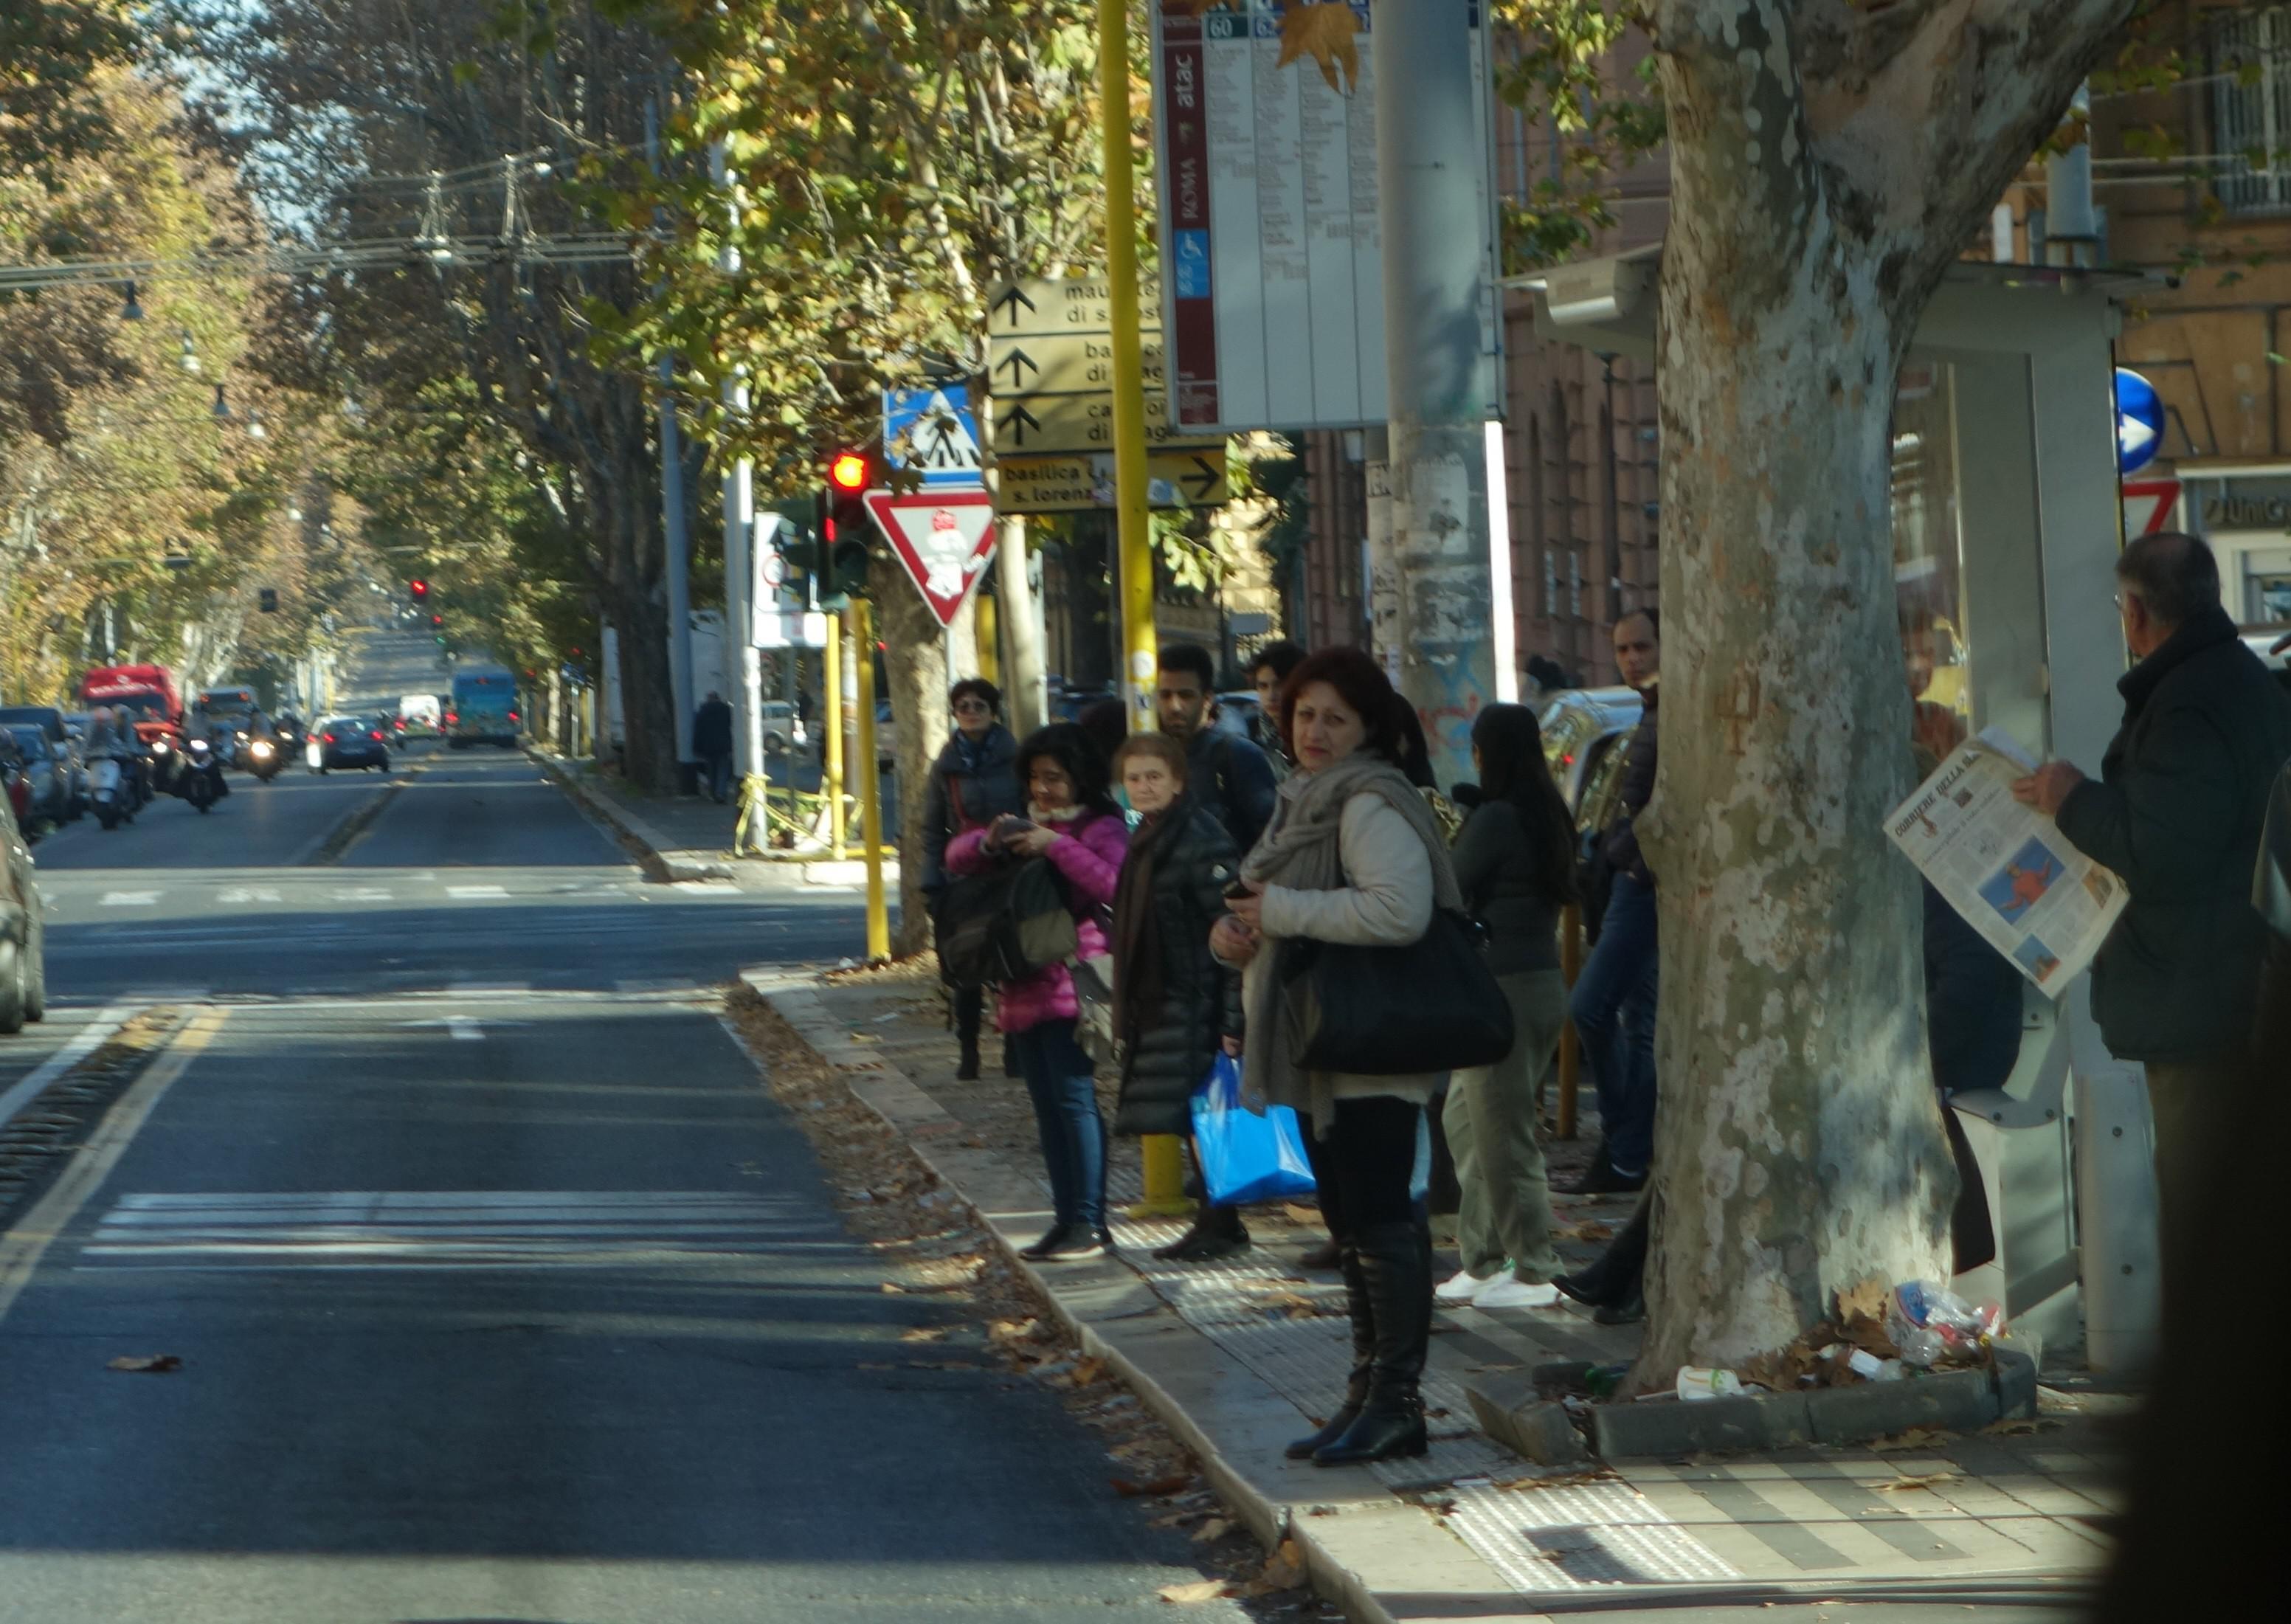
(202, 776)
(112, 791)
(264, 759)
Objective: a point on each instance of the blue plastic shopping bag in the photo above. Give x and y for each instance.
(1246, 1157)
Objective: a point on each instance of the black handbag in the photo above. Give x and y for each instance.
(1004, 925)
(1430, 1006)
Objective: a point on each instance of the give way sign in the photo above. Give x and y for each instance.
(944, 537)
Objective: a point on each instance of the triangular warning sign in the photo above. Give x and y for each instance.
(944, 537)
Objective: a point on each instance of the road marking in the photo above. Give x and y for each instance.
(468, 1028)
(84, 1043)
(129, 899)
(476, 893)
(360, 893)
(489, 986)
(446, 1229)
(22, 1247)
(240, 894)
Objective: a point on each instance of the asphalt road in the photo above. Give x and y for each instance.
(503, 1290)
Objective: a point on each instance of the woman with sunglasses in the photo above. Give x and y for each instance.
(974, 781)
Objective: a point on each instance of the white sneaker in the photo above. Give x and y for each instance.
(1462, 1288)
(1508, 1290)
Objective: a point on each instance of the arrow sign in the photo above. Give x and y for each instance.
(1020, 363)
(1020, 420)
(1204, 478)
(1009, 301)
(943, 537)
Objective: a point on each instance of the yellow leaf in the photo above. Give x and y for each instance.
(1326, 33)
(1199, 1590)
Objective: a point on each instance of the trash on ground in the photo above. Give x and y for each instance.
(153, 1364)
(1696, 1383)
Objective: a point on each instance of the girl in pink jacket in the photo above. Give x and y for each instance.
(1072, 823)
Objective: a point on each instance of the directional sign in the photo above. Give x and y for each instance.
(944, 538)
(1033, 425)
(932, 431)
(1062, 305)
(1187, 475)
(1066, 363)
(2138, 421)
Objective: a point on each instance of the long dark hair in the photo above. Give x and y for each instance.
(1360, 683)
(1512, 767)
(1073, 750)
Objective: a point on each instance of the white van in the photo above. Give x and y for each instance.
(422, 713)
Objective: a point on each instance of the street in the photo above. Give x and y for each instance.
(501, 1285)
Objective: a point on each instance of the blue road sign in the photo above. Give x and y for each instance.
(931, 430)
(2138, 421)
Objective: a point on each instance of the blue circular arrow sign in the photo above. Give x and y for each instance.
(2138, 421)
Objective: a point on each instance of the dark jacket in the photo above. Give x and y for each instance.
(970, 786)
(711, 729)
(2176, 812)
(1622, 842)
(1505, 889)
(1199, 1006)
(1972, 1002)
(1235, 779)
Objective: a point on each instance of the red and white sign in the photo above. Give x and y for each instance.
(2150, 505)
(943, 537)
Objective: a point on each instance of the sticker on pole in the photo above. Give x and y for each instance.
(944, 538)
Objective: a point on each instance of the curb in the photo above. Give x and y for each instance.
(663, 862)
(358, 820)
(934, 1137)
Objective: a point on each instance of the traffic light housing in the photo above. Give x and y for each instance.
(843, 528)
(266, 600)
(419, 590)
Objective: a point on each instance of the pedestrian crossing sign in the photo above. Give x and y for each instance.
(931, 433)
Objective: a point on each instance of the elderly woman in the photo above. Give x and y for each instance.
(1354, 856)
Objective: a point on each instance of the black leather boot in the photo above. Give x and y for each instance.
(1396, 1266)
(1217, 1232)
(1363, 1318)
(1614, 1279)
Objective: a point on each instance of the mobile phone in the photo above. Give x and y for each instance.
(1239, 889)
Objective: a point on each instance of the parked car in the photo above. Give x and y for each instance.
(46, 773)
(23, 929)
(352, 740)
(1582, 730)
(782, 727)
(64, 744)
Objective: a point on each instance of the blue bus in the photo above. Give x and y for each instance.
(485, 709)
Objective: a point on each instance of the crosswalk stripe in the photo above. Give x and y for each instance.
(475, 893)
(130, 899)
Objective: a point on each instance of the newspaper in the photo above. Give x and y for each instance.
(2006, 867)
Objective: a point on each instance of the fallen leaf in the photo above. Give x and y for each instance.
(155, 1364)
(891, 1290)
(1926, 1480)
(1284, 1570)
(2014, 1426)
(1866, 1299)
(1915, 1437)
(1088, 1371)
(1198, 1590)
(1309, 1216)
(1590, 1229)
(922, 1333)
(1216, 1528)
(1326, 33)
(1147, 1491)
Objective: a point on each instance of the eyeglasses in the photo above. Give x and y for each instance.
(972, 707)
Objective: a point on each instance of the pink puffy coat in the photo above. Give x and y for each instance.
(1088, 855)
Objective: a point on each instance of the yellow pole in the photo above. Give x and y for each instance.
(831, 680)
(1163, 1170)
(990, 664)
(871, 781)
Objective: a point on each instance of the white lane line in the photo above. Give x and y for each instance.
(82, 1043)
(465, 1029)
(489, 986)
(22, 1247)
(241, 895)
(129, 899)
(360, 893)
(476, 893)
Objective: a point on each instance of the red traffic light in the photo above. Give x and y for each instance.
(437, 620)
(847, 472)
(419, 588)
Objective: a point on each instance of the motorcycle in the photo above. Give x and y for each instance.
(112, 789)
(200, 782)
(264, 759)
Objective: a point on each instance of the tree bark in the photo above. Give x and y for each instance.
(1827, 157)
(914, 657)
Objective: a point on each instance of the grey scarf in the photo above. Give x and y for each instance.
(1300, 850)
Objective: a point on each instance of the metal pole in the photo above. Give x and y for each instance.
(871, 781)
(1434, 232)
(1135, 541)
(831, 716)
(675, 530)
(1163, 1168)
(739, 477)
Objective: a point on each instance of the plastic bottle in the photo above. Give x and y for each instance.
(1927, 1322)
(1695, 1383)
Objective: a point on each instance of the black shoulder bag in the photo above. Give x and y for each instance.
(1430, 1006)
(1004, 925)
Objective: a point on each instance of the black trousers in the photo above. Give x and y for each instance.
(1363, 1165)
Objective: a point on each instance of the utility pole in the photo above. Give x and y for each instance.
(1434, 227)
(1133, 538)
(860, 616)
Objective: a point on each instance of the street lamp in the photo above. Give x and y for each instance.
(131, 310)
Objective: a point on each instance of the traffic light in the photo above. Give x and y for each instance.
(437, 620)
(419, 590)
(843, 527)
(266, 600)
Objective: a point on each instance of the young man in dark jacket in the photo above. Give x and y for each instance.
(1227, 773)
(2176, 813)
(1613, 1004)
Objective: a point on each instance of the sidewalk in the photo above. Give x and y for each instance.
(1239, 1356)
(688, 837)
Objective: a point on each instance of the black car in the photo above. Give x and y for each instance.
(47, 772)
(352, 740)
(63, 745)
